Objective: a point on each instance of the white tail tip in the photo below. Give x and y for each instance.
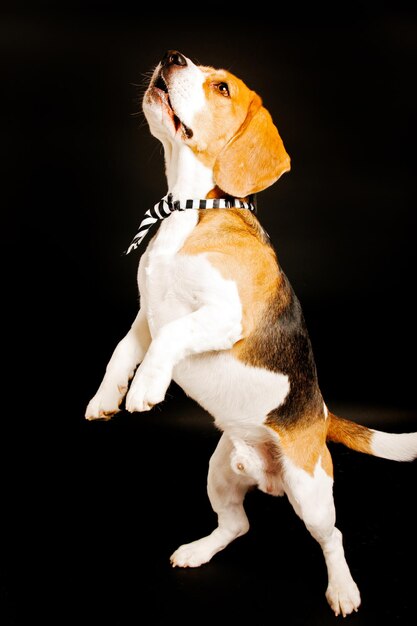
(393, 446)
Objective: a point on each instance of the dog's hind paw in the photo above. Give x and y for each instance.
(343, 600)
(192, 554)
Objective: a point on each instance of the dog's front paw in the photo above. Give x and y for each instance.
(148, 388)
(106, 402)
(343, 599)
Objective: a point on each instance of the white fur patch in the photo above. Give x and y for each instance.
(238, 396)
(186, 92)
(187, 175)
(312, 499)
(177, 285)
(310, 495)
(397, 447)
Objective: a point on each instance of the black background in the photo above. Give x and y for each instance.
(80, 168)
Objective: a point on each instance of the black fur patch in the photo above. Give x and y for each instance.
(281, 344)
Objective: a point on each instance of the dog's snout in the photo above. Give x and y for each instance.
(173, 57)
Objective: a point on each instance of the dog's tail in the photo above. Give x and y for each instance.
(393, 446)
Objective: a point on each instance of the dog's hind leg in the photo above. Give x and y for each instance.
(309, 488)
(226, 490)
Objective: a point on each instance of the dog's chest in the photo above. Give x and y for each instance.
(168, 280)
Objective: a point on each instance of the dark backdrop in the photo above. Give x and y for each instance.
(340, 88)
(79, 170)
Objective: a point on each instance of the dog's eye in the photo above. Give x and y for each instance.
(223, 88)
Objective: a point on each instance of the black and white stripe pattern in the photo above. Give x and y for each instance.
(166, 206)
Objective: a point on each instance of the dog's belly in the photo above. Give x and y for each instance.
(236, 395)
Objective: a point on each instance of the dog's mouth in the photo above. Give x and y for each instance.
(161, 85)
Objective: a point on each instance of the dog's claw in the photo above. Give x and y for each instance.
(106, 402)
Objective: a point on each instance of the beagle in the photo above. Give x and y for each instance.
(219, 317)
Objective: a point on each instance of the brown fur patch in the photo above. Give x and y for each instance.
(305, 445)
(222, 117)
(234, 243)
(236, 137)
(349, 433)
(271, 456)
(255, 158)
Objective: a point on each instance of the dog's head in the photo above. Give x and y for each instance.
(220, 119)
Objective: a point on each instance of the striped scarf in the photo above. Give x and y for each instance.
(166, 206)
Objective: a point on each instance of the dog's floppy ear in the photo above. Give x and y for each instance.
(254, 158)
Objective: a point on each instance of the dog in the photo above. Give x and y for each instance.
(219, 317)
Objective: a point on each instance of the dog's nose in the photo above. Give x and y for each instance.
(173, 57)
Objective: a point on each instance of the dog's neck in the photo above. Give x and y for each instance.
(187, 176)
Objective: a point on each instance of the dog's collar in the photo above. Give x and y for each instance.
(166, 206)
